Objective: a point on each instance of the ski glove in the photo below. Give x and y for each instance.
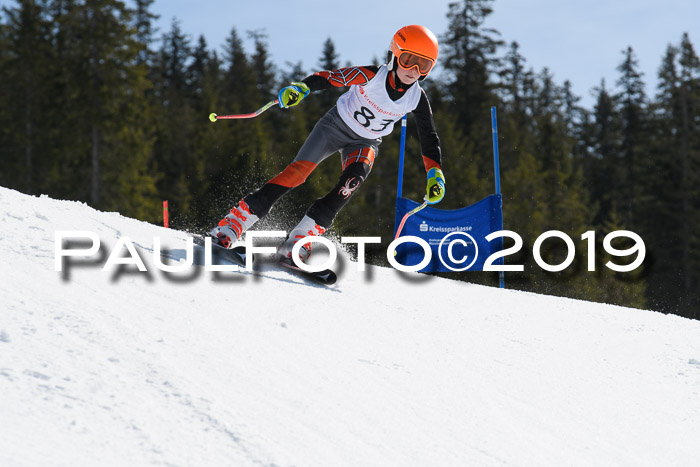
(293, 94)
(435, 190)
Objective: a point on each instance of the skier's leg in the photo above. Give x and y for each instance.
(324, 210)
(357, 165)
(330, 134)
(256, 205)
(296, 173)
(321, 143)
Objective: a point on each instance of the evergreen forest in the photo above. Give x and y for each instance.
(96, 105)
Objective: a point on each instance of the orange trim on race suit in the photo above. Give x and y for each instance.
(429, 164)
(347, 76)
(365, 155)
(295, 174)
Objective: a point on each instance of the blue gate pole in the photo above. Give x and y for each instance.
(399, 189)
(497, 172)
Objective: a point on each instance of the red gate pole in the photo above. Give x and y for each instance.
(165, 214)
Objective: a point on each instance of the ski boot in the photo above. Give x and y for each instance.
(307, 227)
(231, 227)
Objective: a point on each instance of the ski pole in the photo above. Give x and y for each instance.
(213, 117)
(406, 216)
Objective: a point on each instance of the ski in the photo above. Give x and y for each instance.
(236, 255)
(325, 277)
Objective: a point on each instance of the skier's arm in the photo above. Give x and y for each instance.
(427, 135)
(341, 77)
(291, 95)
(430, 147)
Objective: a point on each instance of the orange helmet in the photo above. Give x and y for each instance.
(414, 46)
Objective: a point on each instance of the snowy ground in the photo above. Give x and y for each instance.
(202, 368)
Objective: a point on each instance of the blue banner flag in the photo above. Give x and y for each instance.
(457, 238)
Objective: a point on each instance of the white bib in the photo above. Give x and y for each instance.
(369, 111)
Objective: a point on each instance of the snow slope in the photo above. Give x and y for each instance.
(203, 368)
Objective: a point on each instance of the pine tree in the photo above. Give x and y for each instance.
(266, 85)
(673, 208)
(603, 167)
(329, 60)
(82, 97)
(25, 59)
(143, 23)
(240, 88)
(462, 107)
(262, 67)
(175, 122)
(605, 285)
(689, 100)
(122, 177)
(468, 56)
(662, 226)
(243, 145)
(67, 175)
(565, 205)
(516, 89)
(6, 158)
(202, 95)
(632, 101)
(89, 111)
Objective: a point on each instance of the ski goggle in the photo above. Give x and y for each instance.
(408, 60)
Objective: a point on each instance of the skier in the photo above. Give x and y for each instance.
(378, 97)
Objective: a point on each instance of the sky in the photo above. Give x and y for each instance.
(578, 41)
